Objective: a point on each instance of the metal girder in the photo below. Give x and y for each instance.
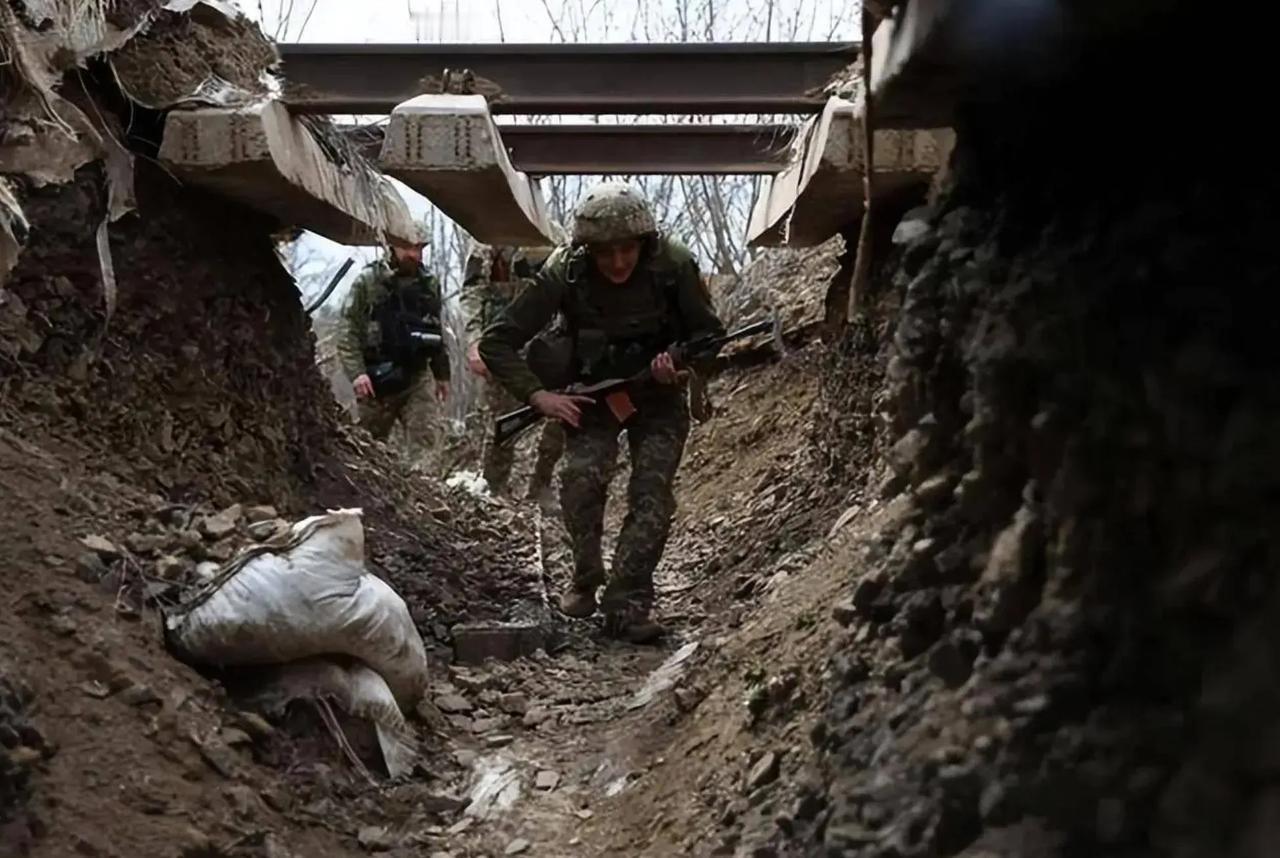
(748, 77)
(542, 150)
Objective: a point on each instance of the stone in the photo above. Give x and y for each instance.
(516, 847)
(376, 838)
(948, 663)
(535, 717)
(90, 568)
(234, 737)
(171, 568)
(454, 704)
(764, 772)
(139, 695)
(221, 525)
(844, 612)
(934, 492)
(255, 725)
(145, 544)
(514, 704)
(500, 740)
(207, 571)
(921, 622)
(866, 593)
(261, 530)
(547, 780)
(259, 514)
(101, 546)
(477, 642)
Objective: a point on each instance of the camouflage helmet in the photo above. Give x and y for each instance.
(612, 211)
(417, 236)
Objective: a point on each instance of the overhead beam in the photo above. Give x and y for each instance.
(748, 77)
(543, 150)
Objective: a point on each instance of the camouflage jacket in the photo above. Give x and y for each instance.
(359, 334)
(491, 279)
(615, 330)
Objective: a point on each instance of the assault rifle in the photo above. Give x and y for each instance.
(613, 391)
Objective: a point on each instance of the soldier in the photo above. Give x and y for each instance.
(493, 276)
(389, 334)
(626, 292)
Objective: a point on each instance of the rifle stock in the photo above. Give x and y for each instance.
(512, 424)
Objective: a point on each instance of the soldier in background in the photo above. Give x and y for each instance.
(490, 282)
(390, 344)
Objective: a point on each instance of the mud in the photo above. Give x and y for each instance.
(203, 56)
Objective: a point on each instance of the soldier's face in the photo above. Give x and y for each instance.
(617, 259)
(408, 257)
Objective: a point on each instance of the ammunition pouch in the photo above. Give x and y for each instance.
(550, 357)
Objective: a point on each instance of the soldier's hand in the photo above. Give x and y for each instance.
(474, 361)
(442, 391)
(663, 368)
(363, 386)
(565, 407)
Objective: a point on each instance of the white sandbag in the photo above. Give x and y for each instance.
(312, 597)
(357, 690)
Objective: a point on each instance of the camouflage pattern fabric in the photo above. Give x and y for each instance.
(551, 445)
(416, 411)
(356, 329)
(656, 438)
(612, 211)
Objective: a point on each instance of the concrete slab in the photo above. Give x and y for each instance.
(447, 148)
(820, 193)
(273, 162)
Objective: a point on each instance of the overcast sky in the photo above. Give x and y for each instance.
(532, 20)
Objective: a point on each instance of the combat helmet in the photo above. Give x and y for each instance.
(612, 211)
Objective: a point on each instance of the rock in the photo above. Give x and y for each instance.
(514, 704)
(215, 527)
(101, 546)
(547, 780)
(376, 838)
(474, 643)
(255, 725)
(535, 718)
(90, 568)
(948, 663)
(207, 571)
(454, 704)
(139, 695)
(866, 593)
(259, 514)
(219, 757)
(145, 544)
(994, 806)
(172, 568)
(808, 805)
(197, 844)
(934, 492)
(234, 737)
(764, 772)
(844, 612)
(1011, 572)
(921, 622)
(500, 740)
(262, 530)
(517, 846)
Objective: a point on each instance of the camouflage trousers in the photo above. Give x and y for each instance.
(655, 438)
(498, 460)
(416, 411)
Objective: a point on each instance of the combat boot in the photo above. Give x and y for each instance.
(634, 627)
(577, 603)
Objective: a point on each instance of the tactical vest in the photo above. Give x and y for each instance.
(612, 331)
(405, 307)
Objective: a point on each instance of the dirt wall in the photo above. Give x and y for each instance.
(1066, 643)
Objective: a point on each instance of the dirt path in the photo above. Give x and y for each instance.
(602, 748)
